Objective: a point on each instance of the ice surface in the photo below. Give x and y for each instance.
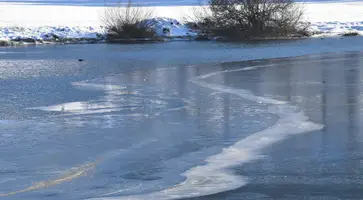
(215, 175)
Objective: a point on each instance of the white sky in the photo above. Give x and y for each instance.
(47, 15)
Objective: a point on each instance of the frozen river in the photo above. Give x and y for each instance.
(181, 120)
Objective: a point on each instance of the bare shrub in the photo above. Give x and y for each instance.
(130, 21)
(353, 33)
(251, 18)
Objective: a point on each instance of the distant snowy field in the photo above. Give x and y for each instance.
(39, 21)
(143, 2)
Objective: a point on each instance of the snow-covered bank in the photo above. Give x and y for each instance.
(48, 22)
(336, 28)
(335, 18)
(164, 27)
(48, 33)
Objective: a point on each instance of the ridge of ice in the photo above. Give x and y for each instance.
(215, 175)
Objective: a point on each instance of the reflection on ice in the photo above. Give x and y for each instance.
(116, 98)
(121, 102)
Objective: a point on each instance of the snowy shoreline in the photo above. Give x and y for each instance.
(39, 24)
(14, 36)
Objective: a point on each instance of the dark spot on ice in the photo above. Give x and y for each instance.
(52, 194)
(144, 176)
(80, 60)
(96, 187)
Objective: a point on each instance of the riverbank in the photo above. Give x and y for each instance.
(42, 24)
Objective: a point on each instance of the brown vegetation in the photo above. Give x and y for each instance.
(247, 19)
(127, 22)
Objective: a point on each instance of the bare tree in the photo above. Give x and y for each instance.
(130, 21)
(254, 17)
